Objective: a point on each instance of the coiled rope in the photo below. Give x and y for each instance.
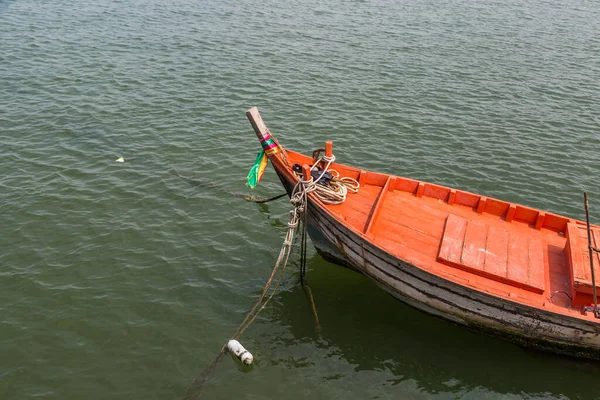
(337, 189)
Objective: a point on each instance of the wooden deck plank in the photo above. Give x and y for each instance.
(356, 223)
(518, 258)
(535, 266)
(496, 258)
(474, 247)
(391, 246)
(495, 254)
(400, 210)
(453, 239)
(579, 257)
(359, 203)
(409, 239)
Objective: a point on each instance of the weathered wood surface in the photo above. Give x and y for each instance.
(261, 130)
(494, 253)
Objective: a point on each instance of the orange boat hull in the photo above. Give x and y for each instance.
(493, 266)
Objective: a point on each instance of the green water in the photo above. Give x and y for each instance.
(122, 280)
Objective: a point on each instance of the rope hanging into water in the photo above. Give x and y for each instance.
(333, 193)
(303, 279)
(299, 203)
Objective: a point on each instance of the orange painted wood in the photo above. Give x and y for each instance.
(362, 178)
(306, 172)
(518, 258)
(328, 149)
(402, 239)
(555, 222)
(356, 223)
(453, 240)
(376, 207)
(413, 229)
(466, 199)
(474, 246)
(406, 184)
(539, 222)
(496, 258)
(526, 214)
(510, 214)
(377, 179)
(420, 189)
(392, 185)
(361, 203)
(536, 270)
(579, 257)
(400, 209)
(481, 204)
(452, 196)
(496, 207)
(515, 259)
(436, 192)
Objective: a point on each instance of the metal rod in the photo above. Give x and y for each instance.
(589, 235)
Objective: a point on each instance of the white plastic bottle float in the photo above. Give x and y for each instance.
(240, 352)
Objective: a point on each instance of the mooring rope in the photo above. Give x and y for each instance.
(299, 203)
(213, 185)
(334, 193)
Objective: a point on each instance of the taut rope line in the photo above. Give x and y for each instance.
(213, 185)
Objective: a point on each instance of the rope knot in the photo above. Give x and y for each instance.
(328, 159)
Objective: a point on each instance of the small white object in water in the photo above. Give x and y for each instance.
(240, 352)
(120, 159)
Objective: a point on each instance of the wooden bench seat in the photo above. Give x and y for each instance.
(578, 257)
(493, 252)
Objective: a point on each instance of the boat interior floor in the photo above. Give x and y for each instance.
(508, 250)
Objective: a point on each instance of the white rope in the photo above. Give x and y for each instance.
(334, 193)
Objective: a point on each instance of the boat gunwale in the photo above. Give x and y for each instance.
(530, 334)
(546, 306)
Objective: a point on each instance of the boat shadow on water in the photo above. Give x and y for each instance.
(372, 331)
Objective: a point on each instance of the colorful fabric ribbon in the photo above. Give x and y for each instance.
(269, 145)
(258, 169)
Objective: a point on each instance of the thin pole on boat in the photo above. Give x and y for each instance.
(307, 177)
(591, 252)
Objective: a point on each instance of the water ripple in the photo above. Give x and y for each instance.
(121, 279)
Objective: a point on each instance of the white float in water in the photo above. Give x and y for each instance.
(240, 352)
(120, 159)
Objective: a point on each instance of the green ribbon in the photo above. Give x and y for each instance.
(253, 175)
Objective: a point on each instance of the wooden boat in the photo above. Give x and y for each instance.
(497, 267)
